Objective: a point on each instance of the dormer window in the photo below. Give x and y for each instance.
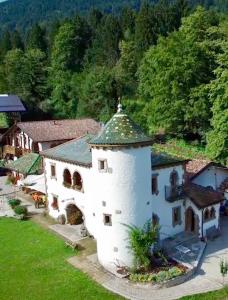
(102, 165)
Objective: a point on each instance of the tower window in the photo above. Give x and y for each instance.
(102, 165)
(154, 184)
(108, 220)
(53, 171)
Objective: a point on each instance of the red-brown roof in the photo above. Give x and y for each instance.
(195, 166)
(202, 196)
(56, 130)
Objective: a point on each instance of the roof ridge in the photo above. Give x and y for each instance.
(53, 120)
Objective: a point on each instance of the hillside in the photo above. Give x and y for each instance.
(24, 13)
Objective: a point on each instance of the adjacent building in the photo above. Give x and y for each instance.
(36, 136)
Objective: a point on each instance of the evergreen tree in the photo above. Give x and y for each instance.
(36, 38)
(105, 46)
(145, 29)
(98, 94)
(5, 44)
(16, 40)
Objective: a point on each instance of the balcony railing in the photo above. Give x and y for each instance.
(16, 151)
(173, 193)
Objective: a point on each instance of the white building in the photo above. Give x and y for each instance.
(112, 180)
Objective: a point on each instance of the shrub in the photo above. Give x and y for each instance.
(21, 210)
(14, 202)
(141, 241)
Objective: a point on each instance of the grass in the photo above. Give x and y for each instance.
(181, 149)
(33, 266)
(217, 295)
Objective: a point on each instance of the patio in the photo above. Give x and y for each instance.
(185, 248)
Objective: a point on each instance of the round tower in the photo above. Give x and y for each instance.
(121, 167)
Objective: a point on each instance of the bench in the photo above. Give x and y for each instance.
(72, 245)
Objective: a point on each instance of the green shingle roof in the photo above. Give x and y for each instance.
(76, 151)
(162, 159)
(27, 164)
(121, 130)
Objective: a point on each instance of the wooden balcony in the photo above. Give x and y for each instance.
(15, 151)
(173, 193)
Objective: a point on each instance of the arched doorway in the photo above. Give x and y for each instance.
(191, 221)
(74, 215)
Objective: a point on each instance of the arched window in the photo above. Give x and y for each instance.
(77, 181)
(67, 178)
(206, 215)
(174, 178)
(212, 213)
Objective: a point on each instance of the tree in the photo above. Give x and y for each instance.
(5, 44)
(14, 72)
(174, 74)
(36, 38)
(145, 29)
(105, 45)
(16, 40)
(127, 21)
(67, 57)
(97, 94)
(26, 76)
(126, 68)
(217, 138)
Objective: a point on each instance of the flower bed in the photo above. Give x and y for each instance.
(160, 274)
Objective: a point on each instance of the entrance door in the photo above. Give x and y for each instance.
(74, 215)
(190, 221)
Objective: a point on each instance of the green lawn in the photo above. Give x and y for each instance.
(218, 295)
(33, 266)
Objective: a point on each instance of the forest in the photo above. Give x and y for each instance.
(22, 14)
(167, 62)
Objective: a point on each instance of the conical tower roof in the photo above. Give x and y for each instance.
(120, 130)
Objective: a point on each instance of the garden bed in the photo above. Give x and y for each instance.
(159, 274)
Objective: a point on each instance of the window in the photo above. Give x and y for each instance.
(55, 204)
(53, 171)
(209, 214)
(154, 184)
(206, 215)
(77, 181)
(212, 213)
(102, 165)
(177, 215)
(108, 220)
(67, 178)
(174, 178)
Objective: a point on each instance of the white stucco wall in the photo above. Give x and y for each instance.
(212, 176)
(68, 196)
(208, 224)
(126, 191)
(161, 207)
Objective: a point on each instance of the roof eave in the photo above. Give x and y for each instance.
(87, 165)
(120, 145)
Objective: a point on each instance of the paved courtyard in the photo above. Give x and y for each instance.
(207, 277)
